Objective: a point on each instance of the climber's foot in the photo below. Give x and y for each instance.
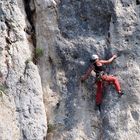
(98, 107)
(120, 94)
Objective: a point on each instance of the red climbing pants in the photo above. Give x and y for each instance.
(109, 79)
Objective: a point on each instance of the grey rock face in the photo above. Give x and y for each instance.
(78, 18)
(68, 32)
(22, 111)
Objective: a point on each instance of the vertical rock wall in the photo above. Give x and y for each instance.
(22, 112)
(68, 32)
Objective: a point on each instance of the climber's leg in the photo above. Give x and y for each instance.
(99, 92)
(114, 80)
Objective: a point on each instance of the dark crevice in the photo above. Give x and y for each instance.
(30, 16)
(29, 13)
(50, 60)
(8, 41)
(8, 27)
(137, 2)
(24, 135)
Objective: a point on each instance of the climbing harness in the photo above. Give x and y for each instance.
(99, 76)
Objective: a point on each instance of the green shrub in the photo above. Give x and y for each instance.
(51, 127)
(2, 90)
(39, 52)
(27, 61)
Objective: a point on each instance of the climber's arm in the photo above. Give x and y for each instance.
(109, 60)
(87, 73)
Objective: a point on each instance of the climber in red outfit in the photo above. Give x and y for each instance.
(101, 76)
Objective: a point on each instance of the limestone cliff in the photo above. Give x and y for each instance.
(45, 47)
(22, 112)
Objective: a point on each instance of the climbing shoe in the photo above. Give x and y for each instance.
(120, 94)
(98, 107)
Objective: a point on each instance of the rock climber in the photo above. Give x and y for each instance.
(101, 76)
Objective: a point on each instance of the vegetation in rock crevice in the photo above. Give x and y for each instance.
(51, 127)
(39, 52)
(2, 90)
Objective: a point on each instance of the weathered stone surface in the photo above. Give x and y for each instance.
(22, 112)
(68, 32)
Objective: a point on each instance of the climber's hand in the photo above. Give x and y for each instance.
(82, 79)
(114, 56)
